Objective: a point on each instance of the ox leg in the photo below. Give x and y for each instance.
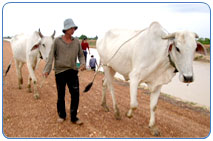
(37, 64)
(19, 73)
(103, 102)
(133, 96)
(31, 69)
(153, 106)
(20, 68)
(29, 84)
(109, 73)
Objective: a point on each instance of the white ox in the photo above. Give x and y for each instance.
(29, 49)
(151, 56)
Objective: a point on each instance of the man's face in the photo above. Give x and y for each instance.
(71, 31)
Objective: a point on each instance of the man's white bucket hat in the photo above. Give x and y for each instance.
(68, 23)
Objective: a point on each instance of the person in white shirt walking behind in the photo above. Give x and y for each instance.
(93, 63)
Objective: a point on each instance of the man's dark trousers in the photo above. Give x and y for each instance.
(69, 77)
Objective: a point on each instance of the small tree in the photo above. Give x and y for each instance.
(82, 37)
(96, 37)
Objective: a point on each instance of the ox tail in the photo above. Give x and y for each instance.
(88, 87)
(8, 67)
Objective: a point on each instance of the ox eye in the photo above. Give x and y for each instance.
(178, 50)
(43, 45)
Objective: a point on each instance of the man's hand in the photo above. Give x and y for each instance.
(45, 74)
(82, 67)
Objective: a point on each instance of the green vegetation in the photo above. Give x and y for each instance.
(82, 37)
(200, 57)
(205, 41)
(92, 43)
(89, 38)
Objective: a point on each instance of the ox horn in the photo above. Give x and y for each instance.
(39, 32)
(53, 34)
(170, 36)
(196, 36)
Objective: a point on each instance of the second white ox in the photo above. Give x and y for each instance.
(152, 56)
(29, 49)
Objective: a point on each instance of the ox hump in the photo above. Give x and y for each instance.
(155, 25)
(156, 30)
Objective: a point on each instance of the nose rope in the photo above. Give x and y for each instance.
(88, 87)
(172, 63)
(170, 60)
(40, 54)
(40, 51)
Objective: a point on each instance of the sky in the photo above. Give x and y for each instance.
(94, 19)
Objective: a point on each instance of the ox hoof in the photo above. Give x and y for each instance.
(154, 131)
(36, 96)
(29, 90)
(106, 109)
(20, 81)
(117, 116)
(129, 115)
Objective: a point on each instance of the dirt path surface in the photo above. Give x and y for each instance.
(23, 116)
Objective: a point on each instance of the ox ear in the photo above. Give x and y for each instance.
(34, 41)
(35, 47)
(201, 49)
(170, 47)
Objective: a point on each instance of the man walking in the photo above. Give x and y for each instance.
(64, 52)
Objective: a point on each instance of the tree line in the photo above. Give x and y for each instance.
(89, 38)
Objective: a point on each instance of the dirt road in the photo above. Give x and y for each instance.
(23, 116)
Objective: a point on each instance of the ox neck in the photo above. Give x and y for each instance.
(172, 63)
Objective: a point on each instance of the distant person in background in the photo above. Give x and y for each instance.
(85, 46)
(92, 63)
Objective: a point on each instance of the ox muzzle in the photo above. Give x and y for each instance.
(188, 79)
